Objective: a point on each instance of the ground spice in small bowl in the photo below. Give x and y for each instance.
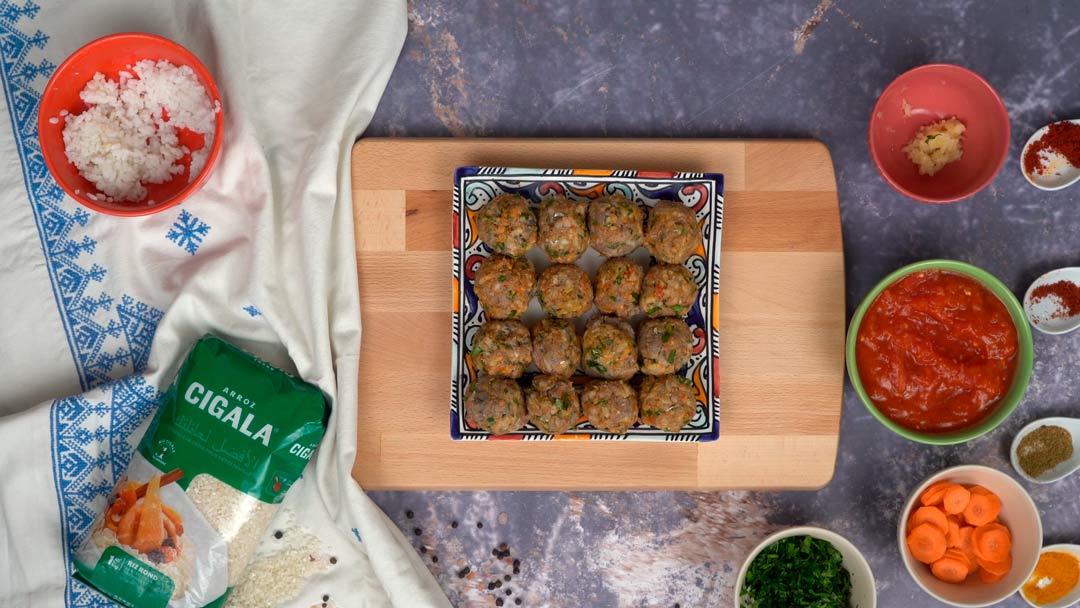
(1066, 292)
(1056, 574)
(1062, 137)
(1043, 449)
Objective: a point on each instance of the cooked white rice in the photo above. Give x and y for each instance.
(124, 141)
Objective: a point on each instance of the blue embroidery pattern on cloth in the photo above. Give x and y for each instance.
(107, 339)
(251, 310)
(188, 232)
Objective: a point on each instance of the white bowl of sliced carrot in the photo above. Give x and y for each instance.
(970, 536)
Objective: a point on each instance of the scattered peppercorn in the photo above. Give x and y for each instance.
(517, 564)
(279, 534)
(491, 586)
(409, 514)
(417, 531)
(453, 524)
(423, 548)
(326, 598)
(509, 592)
(518, 601)
(499, 602)
(507, 578)
(479, 524)
(498, 584)
(435, 559)
(463, 572)
(502, 546)
(517, 571)
(333, 560)
(495, 552)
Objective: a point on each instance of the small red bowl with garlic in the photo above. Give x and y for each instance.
(136, 155)
(923, 96)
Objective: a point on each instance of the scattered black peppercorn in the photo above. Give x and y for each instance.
(491, 586)
(498, 584)
(463, 572)
(502, 546)
(417, 531)
(279, 534)
(435, 559)
(423, 548)
(507, 578)
(495, 552)
(409, 514)
(517, 563)
(333, 560)
(518, 601)
(499, 602)
(517, 571)
(479, 524)
(453, 524)
(326, 598)
(509, 592)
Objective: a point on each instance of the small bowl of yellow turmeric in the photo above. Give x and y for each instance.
(1055, 583)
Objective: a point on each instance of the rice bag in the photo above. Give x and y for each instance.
(229, 438)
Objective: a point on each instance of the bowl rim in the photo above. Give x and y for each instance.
(816, 532)
(195, 184)
(1024, 364)
(1002, 157)
(901, 536)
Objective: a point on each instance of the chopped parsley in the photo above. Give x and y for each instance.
(559, 403)
(798, 572)
(677, 308)
(930, 138)
(597, 366)
(491, 420)
(653, 310)
(666, 335)
(502, 277)
(671, 357)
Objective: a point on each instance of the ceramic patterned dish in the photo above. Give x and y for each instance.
(475, 186)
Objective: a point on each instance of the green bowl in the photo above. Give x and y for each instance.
(1023, 363)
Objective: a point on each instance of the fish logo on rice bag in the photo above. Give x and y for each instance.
(229, 438)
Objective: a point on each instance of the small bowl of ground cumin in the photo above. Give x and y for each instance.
(939, 110)
(1047, 450)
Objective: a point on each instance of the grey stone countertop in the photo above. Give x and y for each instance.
(790, 68)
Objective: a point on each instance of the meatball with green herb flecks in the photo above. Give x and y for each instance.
(507, 225)
(668, 290)
(562, 229)
(667, 402)
(552, 404)
(556, 347)
(608, 349)
(564, 291)
(618, 287)
(615, 225)
(502, 348)
(504, 286)
(610, 405)
(665, 345)
(495, 405)
(672, 234)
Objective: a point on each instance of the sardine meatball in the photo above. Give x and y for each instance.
(556, 347)
(504, 286)
(563, 234)
(618, 287)
(502, 348)
(495, 405)
(667, 402)
(552, 404)
(507, 225)
(668, 290)
(608, 349)
(610, 405)
(672, 235)
(616, 225)
(665, 345)
(564, 291)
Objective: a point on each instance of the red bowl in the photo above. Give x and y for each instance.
(934, 92)
(110, 55)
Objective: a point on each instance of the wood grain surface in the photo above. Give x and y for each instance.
(781, 321)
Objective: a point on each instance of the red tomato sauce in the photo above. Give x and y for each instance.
(936, 351)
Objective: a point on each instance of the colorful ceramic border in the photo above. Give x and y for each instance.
(475, 186)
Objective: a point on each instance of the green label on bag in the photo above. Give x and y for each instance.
(128, 580)
(228, 414)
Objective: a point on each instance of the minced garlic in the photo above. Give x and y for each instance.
(936, 145)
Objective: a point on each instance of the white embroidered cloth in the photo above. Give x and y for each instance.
(105, 308)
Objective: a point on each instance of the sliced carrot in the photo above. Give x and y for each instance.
(982, 509)
(934, 494)
(952, 537)
(992, 542)
(966, 546)
(980, 490)
(956, 499)
(989, 577)
(959, 556)
(929, 515)
(927, 543)
(1001, 567)
(950, 570)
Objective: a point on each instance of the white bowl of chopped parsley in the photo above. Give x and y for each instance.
(805, 567)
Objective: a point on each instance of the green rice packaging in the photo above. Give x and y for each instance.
(229, 438)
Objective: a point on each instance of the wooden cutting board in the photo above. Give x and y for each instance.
(781, 321)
